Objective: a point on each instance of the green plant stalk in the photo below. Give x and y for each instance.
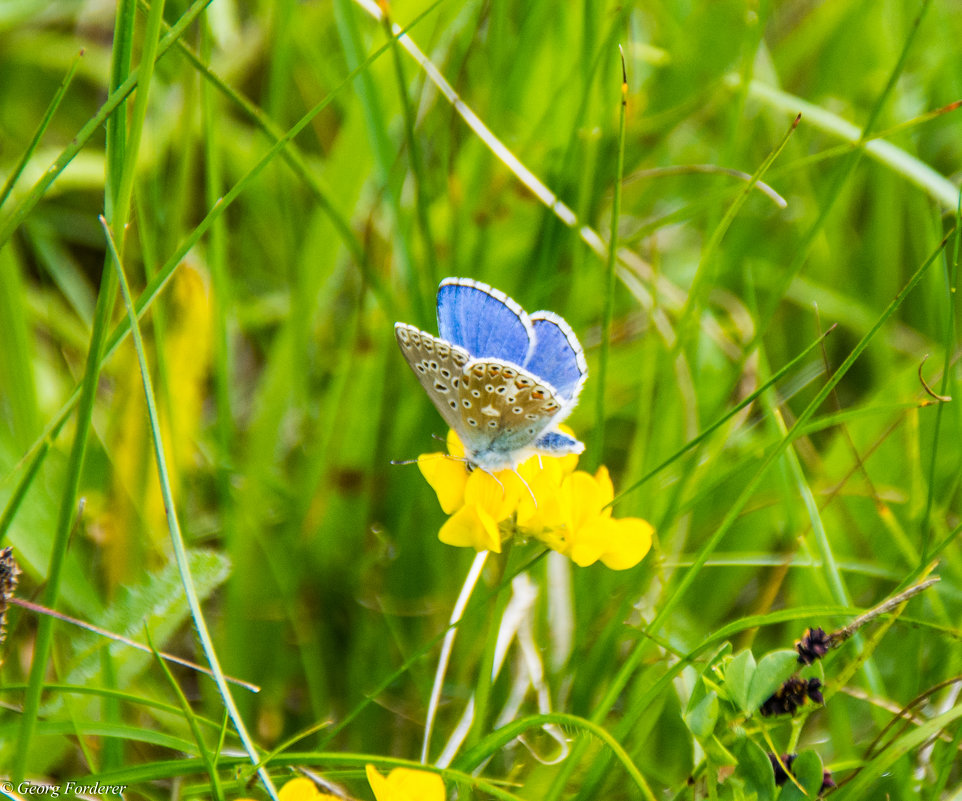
(634, 659)
(23, 486)
(42, 610)
(476, 604)
(952, 283)
(117, 216)
(126, 697)
(948, 763)
(686, 323)
(114, 99)
(41, 129)
(830, 567)
(221, 298)
(290, 154)
(750, 399)
(186, 767)
(498, 739)
(85, 404)
(916, 172)
(835, 189)
(191, 718)
(382, 147)
(444, 657)
(599, 433)
(482, 690)
(861, 785)
(159, 281)
(177, 540)
(121, 58)
(414, 155)
(116, 127)
(122, 151)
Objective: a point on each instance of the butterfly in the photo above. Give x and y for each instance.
(502, 379)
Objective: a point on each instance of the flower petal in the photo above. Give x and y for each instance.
(498, 495)
(455, 447)
(299, 789)
(584, 496)
(447, 478)
(471, 527)
(606, 488)
(406, 784)
(620, 544)
(540, 506)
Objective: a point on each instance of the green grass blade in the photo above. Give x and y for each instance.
(41, 129)
(177, 540)
(599, 433)
(106, 111)
(952, 283)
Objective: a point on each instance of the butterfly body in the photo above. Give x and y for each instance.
(501, 379)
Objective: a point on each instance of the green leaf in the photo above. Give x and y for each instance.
(773, 670)
(738, 679)
(807, 769)
(702, 719)
(755, 768)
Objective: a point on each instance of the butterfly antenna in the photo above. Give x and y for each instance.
(527, 486)
(425, 457)
(497, 480)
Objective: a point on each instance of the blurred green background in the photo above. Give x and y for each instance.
(283, 398)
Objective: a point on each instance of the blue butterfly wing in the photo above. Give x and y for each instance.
(557, 443)
(484, 321)
(504, 414)
(557, 357)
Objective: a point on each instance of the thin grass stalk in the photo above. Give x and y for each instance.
(91, 127)
(599, 434)
(414, 156)
(382, 148)
(222, 295)
(116, 129)
(830, 566)
(628, 668)
(41, 129)
(485, 678)
(686, 324)
(902, 163)
(480, 603)
(188, 714)
(835, 189)
(290, 154)
(159, 281)
(118, 208)
(470, 582)
(177, 540)
(500, 738)
(748, 401)
(121, 54)
(86, 396)
(83, 624)
(952, 283)
(126, 697)
(122, 152)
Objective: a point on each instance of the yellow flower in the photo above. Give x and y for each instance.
(545, 498)
(405, 784)
(299, 789)
(592, 533)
